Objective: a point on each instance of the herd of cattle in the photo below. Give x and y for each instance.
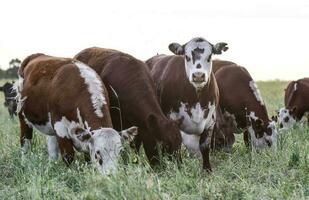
(102, 98)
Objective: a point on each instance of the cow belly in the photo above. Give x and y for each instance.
(46, 128)
(192, 143)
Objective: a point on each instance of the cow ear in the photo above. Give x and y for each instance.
(81, 134)
(129, 134)
(176, 48)
(274, 118)
(219, 47)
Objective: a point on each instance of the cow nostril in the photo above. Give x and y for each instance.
(198, 66)
(281, 125)
(269, 143)
(286, 119)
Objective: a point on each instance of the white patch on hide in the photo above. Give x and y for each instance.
(256, 92)
(53, 148)
(195, 124)
(295, 86)
(192, 143)
(95, 87)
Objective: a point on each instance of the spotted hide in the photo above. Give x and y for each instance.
(187, 90)
(240, 97)
(296, 104)
(67, 101)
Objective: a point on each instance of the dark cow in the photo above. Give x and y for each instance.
(66, 100)
(240, 97)
(9, 98)
(218, 64)
(296, 104)
(130, 80)
(187, 90)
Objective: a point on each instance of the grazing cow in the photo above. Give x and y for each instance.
(66, 100)
(10, 100)
(296, 104)
(240, 97)
(187, 90)
(133, 87)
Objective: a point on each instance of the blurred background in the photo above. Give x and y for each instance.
(269, 38)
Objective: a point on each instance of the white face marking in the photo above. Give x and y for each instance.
(105, 146)
(53, 148)
(295, 86)
(95, 87)
(256, 92)
(261, 143)
(195, 124)
(192, 143)
(201, 63)
(285, 120)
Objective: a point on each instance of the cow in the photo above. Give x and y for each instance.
(9, 98)
(240, 97)
(218, 64)
(133, 93)
(67, 101)
(187, 90)
(296, 104)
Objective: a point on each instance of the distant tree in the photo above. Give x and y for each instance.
(11, 72)
(15, 63)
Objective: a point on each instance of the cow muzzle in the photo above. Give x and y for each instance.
(198, 77)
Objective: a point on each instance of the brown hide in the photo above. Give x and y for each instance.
(297, 100)
(131, 80)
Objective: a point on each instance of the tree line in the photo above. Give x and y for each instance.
(11, 72)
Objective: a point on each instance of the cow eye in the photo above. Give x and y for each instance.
(187, 58)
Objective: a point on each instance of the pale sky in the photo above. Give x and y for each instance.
(269, 37)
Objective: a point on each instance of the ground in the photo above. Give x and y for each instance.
(283, 174)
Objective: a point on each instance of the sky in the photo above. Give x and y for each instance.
(268, 37)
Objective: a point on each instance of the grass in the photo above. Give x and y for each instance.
(283, 174)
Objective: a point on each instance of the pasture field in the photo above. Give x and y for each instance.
(283, 174)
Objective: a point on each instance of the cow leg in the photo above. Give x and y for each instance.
(205, 145)
(66, 150)
(25, 134)
(53, 147)
(247, 138)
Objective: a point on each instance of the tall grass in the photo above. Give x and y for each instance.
(283, 174)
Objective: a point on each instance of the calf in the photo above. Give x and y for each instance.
(296, 104)
(129, 79)
(66, 100)
(9, 98)
(187, 90)
(240, 97)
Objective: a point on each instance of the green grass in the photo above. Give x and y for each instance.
(283, 174)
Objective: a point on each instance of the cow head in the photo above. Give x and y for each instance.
(286, 118)
(167, 131)
(224, 133)
(104, 145)
(263, 134)
(198, 64)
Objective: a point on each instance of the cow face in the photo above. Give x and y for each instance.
(286, 118)
(198, 63)
(263, 134)
(105, 145)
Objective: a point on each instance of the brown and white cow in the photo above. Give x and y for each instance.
(296, 104)
(9, 98)
(218, 64)
(240, 97)
(187, 90)
(66, 100)
(135, 91)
